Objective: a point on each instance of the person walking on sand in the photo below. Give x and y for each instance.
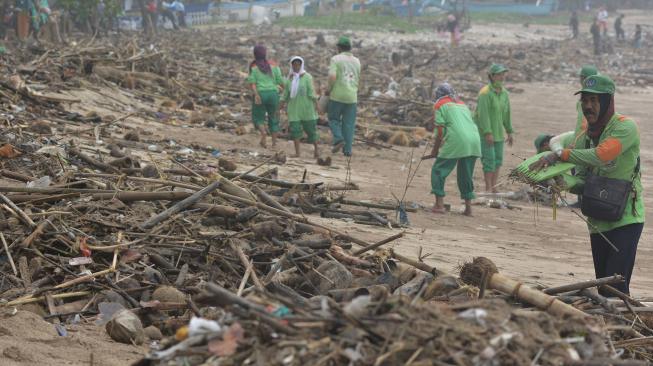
(608, 153)
(457, 143)
(344, 75)
(493, 116)
(596, 37)
(637, 42)
(266, 83)
(619, 29)
(573, 24)
(602, 18)
(300, 98)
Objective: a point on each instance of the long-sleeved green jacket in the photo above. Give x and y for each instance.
(492, 113)
(615, 156)
(302, 106)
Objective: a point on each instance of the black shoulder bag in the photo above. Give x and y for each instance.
(604, 198)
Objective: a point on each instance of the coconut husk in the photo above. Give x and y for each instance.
(169, 294)
(473, 273)
(399, 138)
(227, 165)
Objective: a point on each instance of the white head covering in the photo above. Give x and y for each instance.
(294, 76)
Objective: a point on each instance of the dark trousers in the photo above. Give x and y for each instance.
(167, 14)
(608, 262)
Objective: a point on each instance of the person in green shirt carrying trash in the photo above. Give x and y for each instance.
(607, 149)
(344, 75)
(492, 117)
(457, 143)
(300, 97)
(266, 83)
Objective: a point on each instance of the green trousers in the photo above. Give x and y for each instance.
(465, 174)
(298, 128)
(492, 155)
(269, 108)
(342, 121)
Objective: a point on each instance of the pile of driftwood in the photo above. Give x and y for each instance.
(218, 260)
(221, 265)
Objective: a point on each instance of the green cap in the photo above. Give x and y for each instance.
(344, 41)
(598, 84)
(588, 70)
(540, 140)
(497, 69)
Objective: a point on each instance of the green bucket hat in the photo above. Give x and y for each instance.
(344, 41)
(497, 69)
(588, 70)
(540, 140)
(597, 84)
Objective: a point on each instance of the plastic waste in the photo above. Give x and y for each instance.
(42, 182)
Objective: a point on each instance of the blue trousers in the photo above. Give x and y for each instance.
(342, 121)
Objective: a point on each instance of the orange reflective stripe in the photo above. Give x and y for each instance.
(565, 154)
(442, 102)
(609, 149)
(440, 131)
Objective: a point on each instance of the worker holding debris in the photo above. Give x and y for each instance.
(301, 98)
(492, 117)
(266, 83)
(344, 74)
(457, 143)
(607, 148)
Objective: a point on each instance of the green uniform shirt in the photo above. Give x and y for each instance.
(302, 106)
(263, 81)
(347, 70)
(493, 113)
(615, 156)
(460, 138)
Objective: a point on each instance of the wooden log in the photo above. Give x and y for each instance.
(298, 218)
(273, 182)
(584, 284)
(35, 234)
(227, 186)
(419, 265)
(123, 196)
(21, 214)
(16, 176)
(187, 202)
(11, 259)
(218, 210)
(613, 291)
(94, 162)
(313, 244)
(246, 263)
(268, 200)
(594, 295)
(379, 243)
(374, 205)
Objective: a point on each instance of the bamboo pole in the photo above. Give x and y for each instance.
(585, 284)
